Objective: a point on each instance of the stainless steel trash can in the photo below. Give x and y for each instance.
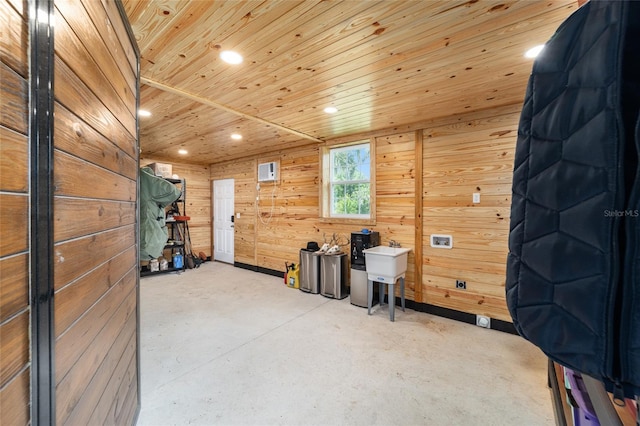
(333, 275)
(309, 271)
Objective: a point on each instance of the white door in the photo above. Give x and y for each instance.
(223, 220)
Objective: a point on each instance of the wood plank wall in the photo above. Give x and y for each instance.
(244, 174)
(268, 236)
(462, 155)
(198, 201)
(282, 230)
(459, 155)
(395, 197)
(95, 172)
(14, 215)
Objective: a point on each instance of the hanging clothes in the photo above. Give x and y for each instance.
(573, 272)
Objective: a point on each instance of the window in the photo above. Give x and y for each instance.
(347, 182)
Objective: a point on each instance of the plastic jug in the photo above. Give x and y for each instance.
(293, 276)
(177, 261)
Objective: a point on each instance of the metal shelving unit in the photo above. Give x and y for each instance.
(177, 233)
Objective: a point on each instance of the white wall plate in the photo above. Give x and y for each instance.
(441, 241)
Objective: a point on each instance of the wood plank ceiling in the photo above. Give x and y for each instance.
(381, 63)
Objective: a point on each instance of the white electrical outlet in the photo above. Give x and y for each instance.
(476, 197)
(238, 215)
(482, 321)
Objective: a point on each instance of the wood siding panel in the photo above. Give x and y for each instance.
(14, 348)
(14, 401)
(119, 385)
(75, 217)
(486, 284)
(295, 215)
(461, 300)
(14, 285)
(76, 257)
(19, 6)
(72, 93)
(71, 344)
(83, 64)
(14, 93)
(14, 41)
(14, 224)
(77, 138)
(463, 155)
(91, 56)
(73, 300)
(75, 177)
(14, 161)
(15, 312)
(113, 31)
(70, 387)
(111, 373)
(126, 407)
(395, 197)
(95, 174)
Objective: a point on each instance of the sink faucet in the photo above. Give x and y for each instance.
(394, 243)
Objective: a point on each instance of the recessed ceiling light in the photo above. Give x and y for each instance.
(144, 113)
(236, 136)
(331, 110)
(534, 51)
(183, 151)
(231, 57)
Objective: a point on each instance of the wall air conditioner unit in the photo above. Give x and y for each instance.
(267, 172)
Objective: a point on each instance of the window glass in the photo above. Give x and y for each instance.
(350, 181)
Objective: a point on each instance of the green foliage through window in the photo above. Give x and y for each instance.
(351, 181)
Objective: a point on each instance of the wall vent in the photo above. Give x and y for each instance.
(267, 172)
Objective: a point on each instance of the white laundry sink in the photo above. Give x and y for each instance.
(386, 264)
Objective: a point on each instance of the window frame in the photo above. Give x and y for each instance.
(326, 185)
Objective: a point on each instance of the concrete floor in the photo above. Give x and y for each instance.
(222, 345)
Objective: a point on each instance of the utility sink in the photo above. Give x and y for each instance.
(386, 264)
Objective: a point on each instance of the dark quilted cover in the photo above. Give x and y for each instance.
(572, 274)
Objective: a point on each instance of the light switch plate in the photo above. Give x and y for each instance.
(441, 241)
(476, 197)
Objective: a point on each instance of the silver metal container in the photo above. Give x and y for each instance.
(358, 288)
(310, 271)
(333, 275)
